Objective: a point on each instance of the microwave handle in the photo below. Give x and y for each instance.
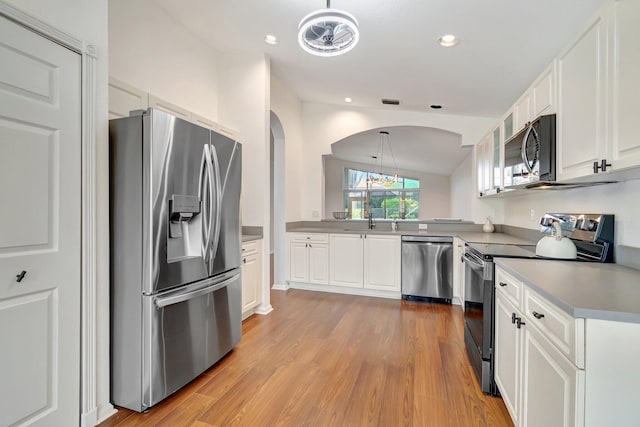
(523, 151)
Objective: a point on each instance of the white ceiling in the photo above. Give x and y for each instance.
(504, 45)
(414, 148)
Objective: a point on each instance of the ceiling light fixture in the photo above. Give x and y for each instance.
(347, 99)
(328, 32)
(271, 39)
(448, 40)
(377, 160)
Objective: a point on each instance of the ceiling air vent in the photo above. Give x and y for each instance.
(390, 101)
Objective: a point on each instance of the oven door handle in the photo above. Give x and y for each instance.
(472, 262)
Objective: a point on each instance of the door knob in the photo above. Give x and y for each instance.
(20, 276)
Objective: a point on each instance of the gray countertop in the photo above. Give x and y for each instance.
(250, 237)
(469, 236)
(584, 290)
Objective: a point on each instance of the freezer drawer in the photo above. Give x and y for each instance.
(184, 333)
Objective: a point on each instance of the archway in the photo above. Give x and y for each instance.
(277, 205)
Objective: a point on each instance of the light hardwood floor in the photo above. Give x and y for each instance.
(323, 359)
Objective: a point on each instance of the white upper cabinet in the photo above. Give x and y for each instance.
(624, 88)
(581, 103)
(124, 98)
(543, 92)
(522, 112)
(167, 107)
(507, 125)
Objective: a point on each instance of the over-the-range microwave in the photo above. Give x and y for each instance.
(530, 155)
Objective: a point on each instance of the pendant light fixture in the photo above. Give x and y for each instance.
(328, 32)
(383, 179)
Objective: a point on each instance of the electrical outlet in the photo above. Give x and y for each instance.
(423, 226)
(532, 215)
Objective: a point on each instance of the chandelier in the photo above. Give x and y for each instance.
(381, 178)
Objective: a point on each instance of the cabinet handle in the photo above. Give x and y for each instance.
(310, 245)
(602, 166)
(20, 276)
(519, 322)
(306, 245)
(244, 260)
(503, 284)
(537, 315)
(513, 318)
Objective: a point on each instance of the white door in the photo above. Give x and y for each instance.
(40, 142)
(382, 262)
(319, 263)
(345, 260)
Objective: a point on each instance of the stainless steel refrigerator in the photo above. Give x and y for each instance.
(175, 254)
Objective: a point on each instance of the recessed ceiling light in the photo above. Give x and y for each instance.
(347, 99)
(436, 106)
(448, 40)
(271, 39)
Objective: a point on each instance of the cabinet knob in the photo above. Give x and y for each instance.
(537, 315)
(502, 284)
(244, 260)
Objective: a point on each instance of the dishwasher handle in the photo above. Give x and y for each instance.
(473, 262)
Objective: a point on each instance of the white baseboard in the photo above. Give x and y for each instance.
(105, 411)
(264, 309)
(456, 301)
(345, 290)
(89, 419)
(279, 287)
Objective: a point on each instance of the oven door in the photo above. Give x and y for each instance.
(479, 302)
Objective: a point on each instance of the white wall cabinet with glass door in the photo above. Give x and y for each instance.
(308, 258)
(484, 166)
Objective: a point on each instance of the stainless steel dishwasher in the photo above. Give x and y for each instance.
(427, 267)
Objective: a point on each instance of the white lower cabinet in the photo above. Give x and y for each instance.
(382, 262)
(308, 258)
(345, 260)
(552, 387)
(540, 386)
(251, 269)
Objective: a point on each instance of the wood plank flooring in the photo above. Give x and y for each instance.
(323, 359)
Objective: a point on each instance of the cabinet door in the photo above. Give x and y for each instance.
(625, 90)
(345, 262)
(487, 164)
(319, 263)
(543, 93)
(507, 354)
(507, 125)
(479, 156)
(522, 112)
(497, 155)
(382, 262)
(168, 107)
(250, 281)
(124, 98)
(552, 387)
(581, 104)
(298, 262)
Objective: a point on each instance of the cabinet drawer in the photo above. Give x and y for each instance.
(250, 247)
(564, 331)
(509, 286)
(309, 237)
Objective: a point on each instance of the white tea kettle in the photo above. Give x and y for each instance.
(556, 246)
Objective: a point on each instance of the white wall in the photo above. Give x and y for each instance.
(620, 199)
(150, 50)
(288, 108)
(464, 201)
(87, 20)
(325, 124)
(435, 195)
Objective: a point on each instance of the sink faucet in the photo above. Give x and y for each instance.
(372, 223)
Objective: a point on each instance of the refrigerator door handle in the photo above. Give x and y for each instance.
(218, 202)
(205, 197)
(161, 302)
